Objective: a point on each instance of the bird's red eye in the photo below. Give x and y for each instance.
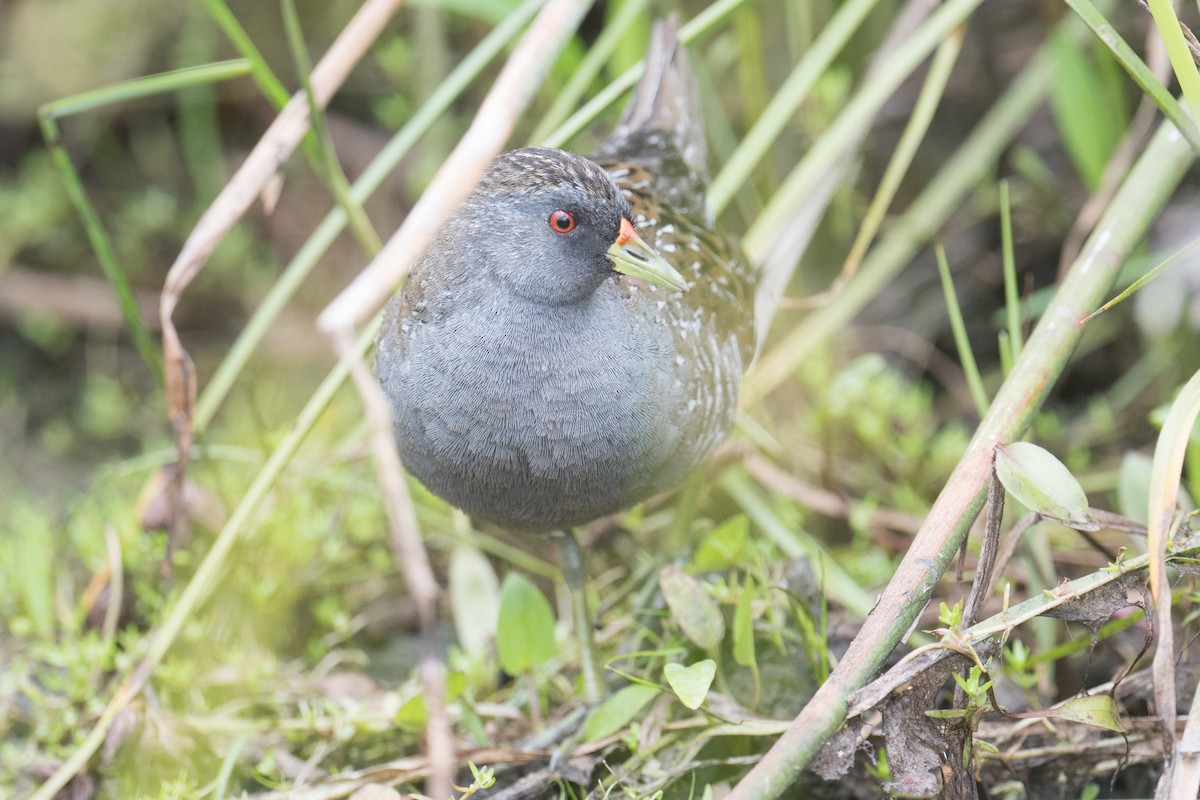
(562, 222)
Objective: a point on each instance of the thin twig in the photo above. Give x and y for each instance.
(821, 500)
(410, 555)
(985, 566)
(1009, 546)
(80, 301)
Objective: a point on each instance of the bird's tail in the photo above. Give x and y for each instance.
(665, 102)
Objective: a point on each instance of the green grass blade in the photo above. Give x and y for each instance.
(1088, 107)
(966, 355)
(1158, 269)
(854, 117)
(143, 340)
(597, 56)
(695, 28)
(326, 161)
(48, 116)
(146, 87)
(1137, 69)
(1012, 297)
(914, 133)
(199, 116)
(1177, 50)
(943, 195)
(750, 78)
(264, 77)
(786, 100)
(261, 72)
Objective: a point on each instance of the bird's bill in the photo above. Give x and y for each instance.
(632, 256)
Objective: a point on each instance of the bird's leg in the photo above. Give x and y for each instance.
(570, 561)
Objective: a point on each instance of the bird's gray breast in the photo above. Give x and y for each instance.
(537, 417)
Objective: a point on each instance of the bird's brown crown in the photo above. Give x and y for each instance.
(539, 170)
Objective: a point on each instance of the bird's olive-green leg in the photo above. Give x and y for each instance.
(570, 561)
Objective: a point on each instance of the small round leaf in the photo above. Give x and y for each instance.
(618, 711)
(1043, 484)
(691, 683)
(474, 599)
(525, 633)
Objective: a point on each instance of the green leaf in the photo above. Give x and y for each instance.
(412, 714)
(33, 546)
(456, 684)
(1099, 710)
(1133, 486)
(1042, 484)
(743, 627)
(692, 607)
(618, 711)
(691, 683)
(723, 546)
(525, 633)
(1087, 105)
(474, 598)
(1158, 418)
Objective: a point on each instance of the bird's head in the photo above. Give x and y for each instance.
(552, 227)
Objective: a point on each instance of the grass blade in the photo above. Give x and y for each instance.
(965, 354)
(914, 133)
(1137, 70)
(48, 117)
(1012, 300)
(787, 99)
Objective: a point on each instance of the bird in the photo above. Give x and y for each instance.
(573, 340)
